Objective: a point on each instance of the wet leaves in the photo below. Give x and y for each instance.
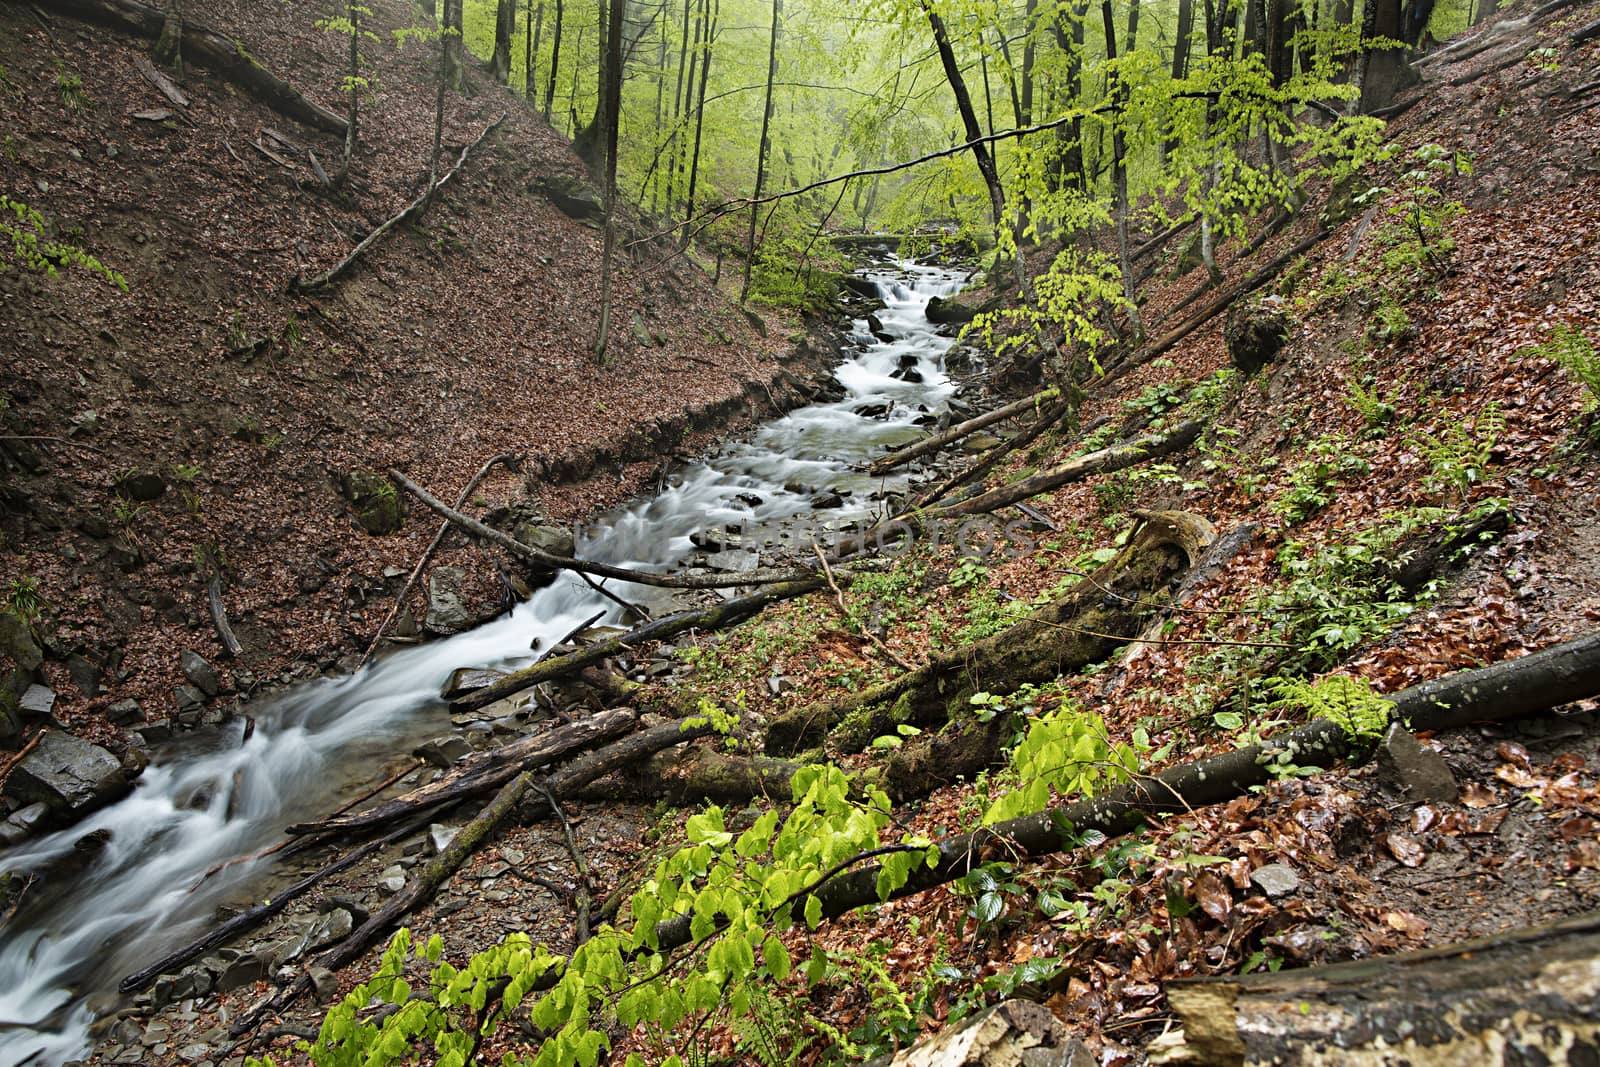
(1405, 849)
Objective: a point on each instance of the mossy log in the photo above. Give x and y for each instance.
(708, 774)
(208, 48)
(1069, 633)
(1509, 689)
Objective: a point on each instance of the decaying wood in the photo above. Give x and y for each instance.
(1510, 689)
(719, 617)
(563, 783)
(1069, 633)
(251, 918)
(163, 84)
(219, 618)
(483, 771)
(901, 456)
(1532, 990)
(707, 774)
(410, 211)
(433, 546)
(991, 459)
(210, 49)
(582, 566)
(270, 154)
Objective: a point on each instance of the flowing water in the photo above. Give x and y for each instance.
(209, 800)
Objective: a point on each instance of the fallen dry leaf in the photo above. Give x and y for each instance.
(1405, 849)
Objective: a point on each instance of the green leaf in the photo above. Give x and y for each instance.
(706, 828)
(988, 907)
(813, 912)
(756, 840)
(776, 958)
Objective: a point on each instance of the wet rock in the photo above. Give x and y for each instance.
(67, 774)
(1188, 256)
(17, 642)
(1415, 769)
(641, 333)
(443, 751)
(735, 561)
(464, 680)
(827, 502)
(246, 970)
(949, 312)
(84, 675)
(1275, 880)
(156, 733)
(873, 411)
(323, 983)
(393, 878)
(29, 819)
(440, 836)
(980, 442)
(447, 611)
(332, 927)
(125, 712)
(190, 701)
(37, 700)
(377, 504)
(863, 287)
(1255, 332)
(142, 487)
(201, 674)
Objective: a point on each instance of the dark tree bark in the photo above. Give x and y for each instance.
(505, 17)
(1029, 28)
(763, 147)
(1119, 149)
(1382, 71)
(534, 28)
(610, 120)
(1180, 54)
(708, 41)
(555, 60)
(352, 129)
(452, 44)
(169, 46)
(1070, 39)
(675, 142)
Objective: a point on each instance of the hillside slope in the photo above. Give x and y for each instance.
(463, 337)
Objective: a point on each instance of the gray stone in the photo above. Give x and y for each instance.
(38, 700)
(572, 196)
(464, 680)
(440, 836)
(332, 927)
(17, 642)
(246, 970)
(443, 751)
(979, 442)
(641, 333)
(156, 733)
(85, 675)
(1255, 332)
(736, 561)
(201, 674)
(447, 612)
(1275, 880)
(188, 699)
(949, 312)
(323, 983)
(1415, 769)
(125, 712)
(11, 834)
(377, 504)
(30, 818)
(393, 878)
(67, 774)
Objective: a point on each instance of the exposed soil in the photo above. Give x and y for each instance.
(460, 338)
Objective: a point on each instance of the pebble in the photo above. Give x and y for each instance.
(1275, 880)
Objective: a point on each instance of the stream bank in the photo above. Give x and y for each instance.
(142, 885)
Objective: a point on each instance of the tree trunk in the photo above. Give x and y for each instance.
(1119, 149)
(707, 43)
(169, 46)
(555, 60)
(1180, 55)
(505, 17)
(763, 147)
(454, 71)
(1383, 71)
(353, 122)
(1533, 990)
(974, 132)
(674, 150)
(610, 121)
(1029, 28)
(534, 27)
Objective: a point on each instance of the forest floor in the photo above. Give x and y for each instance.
(460, 338)
(1417, 382)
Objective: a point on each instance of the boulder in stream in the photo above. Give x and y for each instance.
(464, 680)
(68, 775)
(949, 311)
(447, 611)
(201, 675)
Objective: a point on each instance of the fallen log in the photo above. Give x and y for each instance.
(991, 459)
(1167, 340)
(901, 456)
(1510, 689)
(713, 618)
(1533, 990)
(208, 48)
(563, 783)
(219, 618)
(163, 84)
(1071, 632)
(410, 211)
(583, 566)
(251, 918)
(433, 546)
(484, 771)
(708, 774)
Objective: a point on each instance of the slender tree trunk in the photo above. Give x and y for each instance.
(1029, 28)
(505, 16)
(353, 120)
(1011, 81)
(555, 60)
(1070, 40)
(762, 147)
(969, 122)
(1180, 55)
(1119, 163)
(610, 121)
(169, 46)
(1216, 12)
(535, 32)
(661, 92)
(708, 42)
(452, 43)
(674, 150)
